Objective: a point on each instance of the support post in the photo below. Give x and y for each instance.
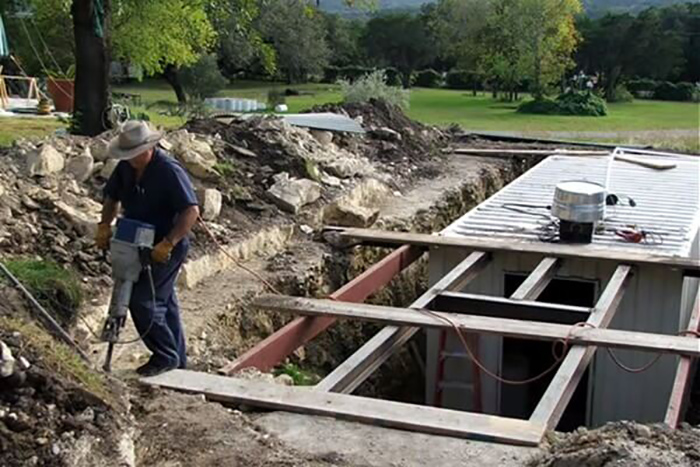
(679, 394)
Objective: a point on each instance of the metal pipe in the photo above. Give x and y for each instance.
(52, 323)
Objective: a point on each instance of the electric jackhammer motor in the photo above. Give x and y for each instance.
(131, 248)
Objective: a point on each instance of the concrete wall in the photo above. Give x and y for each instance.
(652, 303)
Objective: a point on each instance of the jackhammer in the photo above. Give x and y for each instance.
(131, 247)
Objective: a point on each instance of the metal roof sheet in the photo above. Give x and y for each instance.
(667, 203)
(324, 121)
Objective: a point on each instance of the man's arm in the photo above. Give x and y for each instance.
(110, 209)
(185, 221)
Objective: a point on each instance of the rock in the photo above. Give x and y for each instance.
(7, 361)
(242, 151)
(386, 134)
(84, 223)
(307, 229)
(210, 201)
(330, 180)
(197, 156)
(284, 380)
(291, 195)
(344, 167)
(45, 161)
(81, 166)
(99, 149)
(323, 137)
(349, 215)
(86, 416)
(24, 363)
(41, 441)
(2, 190)
(108, 168)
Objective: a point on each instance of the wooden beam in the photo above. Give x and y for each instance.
(554, 401)
(358, 409)
(538, 280)
(561, 250)
(679, 394)
(276, 347)
(526, 152)
(406, 317)
(485, 305)
(357, 368)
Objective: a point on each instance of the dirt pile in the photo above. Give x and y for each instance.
(622, 444)
(53, 409)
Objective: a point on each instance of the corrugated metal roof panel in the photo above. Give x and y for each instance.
(668, 203)
(324, 121)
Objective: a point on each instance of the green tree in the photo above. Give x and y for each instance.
(400, 40)
(294, 29)
(343, 39)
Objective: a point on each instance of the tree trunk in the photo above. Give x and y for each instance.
(171, 75)
(611, 84)
(92, 62)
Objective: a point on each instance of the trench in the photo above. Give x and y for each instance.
(401, 378)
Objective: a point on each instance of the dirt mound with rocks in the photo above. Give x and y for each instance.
(53, 409)
(622, 444)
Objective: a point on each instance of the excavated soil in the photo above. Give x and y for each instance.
(622, 444)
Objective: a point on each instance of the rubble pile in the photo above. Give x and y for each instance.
(622, 444)
(52, 411)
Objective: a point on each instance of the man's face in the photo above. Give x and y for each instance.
(142, 160)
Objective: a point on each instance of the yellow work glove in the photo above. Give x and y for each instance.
(103, 236)
(161, 251)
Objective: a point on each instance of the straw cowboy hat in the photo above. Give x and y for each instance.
(134, 138)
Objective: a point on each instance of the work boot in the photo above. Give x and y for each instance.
(154, 368)
(140, 369)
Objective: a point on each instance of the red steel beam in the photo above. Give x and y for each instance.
(276, 347)
(679, 393)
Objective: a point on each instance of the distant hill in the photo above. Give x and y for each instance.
(593, 7)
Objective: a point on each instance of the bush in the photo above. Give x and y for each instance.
(428, 79)
(621, 94)
(642, 87)
(203, 79)
(374, 86)
(570, 103)
(676, 92)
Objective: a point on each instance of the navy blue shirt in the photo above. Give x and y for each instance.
(163, 192)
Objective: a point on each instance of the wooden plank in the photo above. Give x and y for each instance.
(404, 317)
(538, 280)
(358, 409)
(526, 152)
(485, 305)
(554, 401)
(650, 164)
(277, 346)
(357, 368)
(561, 250)
(679, 394)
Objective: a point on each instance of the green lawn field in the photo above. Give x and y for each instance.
(434, 106)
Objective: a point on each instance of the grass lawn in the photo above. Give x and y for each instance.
(434, 106)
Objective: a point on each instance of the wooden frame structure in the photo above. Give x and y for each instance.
(485, 316)
(4, 94)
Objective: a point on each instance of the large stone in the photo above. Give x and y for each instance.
(7, 361)
(108, 168)
(45, 161)
(197, 156)
(99, 149)
(344, 167)
(386, 134)
(292, 194)
(349, 215)
(81, 166)
(84, 221)
(323, 137)
(210, 201)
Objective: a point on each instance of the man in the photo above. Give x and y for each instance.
(152, 187)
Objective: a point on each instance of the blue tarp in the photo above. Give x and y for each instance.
(4, 47)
